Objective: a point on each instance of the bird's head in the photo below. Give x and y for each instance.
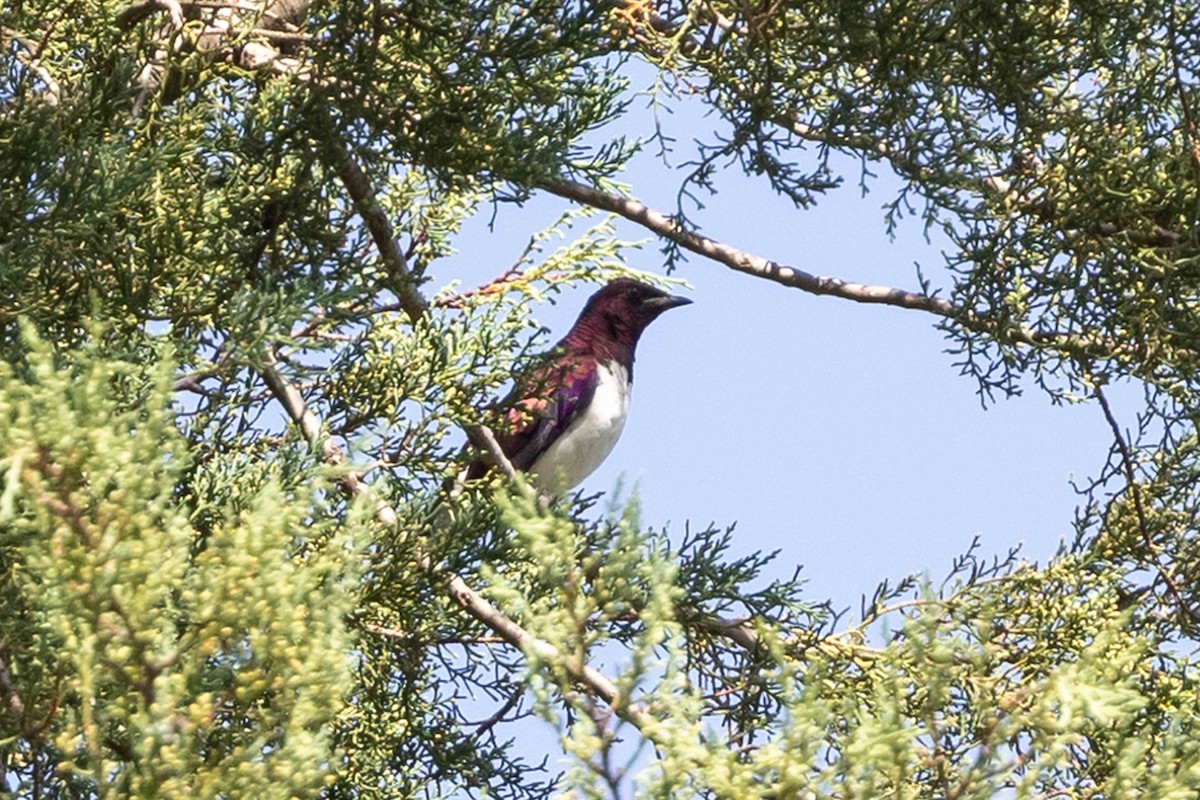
(618, 313)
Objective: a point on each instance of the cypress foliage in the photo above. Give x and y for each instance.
(230, 398)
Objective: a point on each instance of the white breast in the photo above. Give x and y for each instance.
(590, 438)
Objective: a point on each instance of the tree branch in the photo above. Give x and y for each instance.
(795, 278)
(32, 62)
(1143, 528)
(363, 196)
(461, 592)
(489, 723)
(745, 262)
(482, 437)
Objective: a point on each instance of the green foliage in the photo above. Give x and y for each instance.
(142, 658)
(209, 216)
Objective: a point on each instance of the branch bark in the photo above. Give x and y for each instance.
(358, 186)
(749, 263)
(795, 278)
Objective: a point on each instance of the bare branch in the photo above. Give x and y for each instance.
(795, 278)
(363, 196)
(489, 723)
(748, 263)
(598, 683)
(192, 383)
(293, 403)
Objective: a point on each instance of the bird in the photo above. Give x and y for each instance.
(564, 416)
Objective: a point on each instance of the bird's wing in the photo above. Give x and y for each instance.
(541, 407)
(555, 394)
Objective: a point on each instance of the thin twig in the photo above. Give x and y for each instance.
(482, 437)
(1135, 493)
(500, 714)
(745, 262)
(33, 63)
(282, 36)
(498, 285)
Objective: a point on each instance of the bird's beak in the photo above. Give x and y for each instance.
(661, 304)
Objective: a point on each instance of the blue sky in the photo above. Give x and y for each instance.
(837, 433)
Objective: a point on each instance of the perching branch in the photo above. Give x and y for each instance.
(460, 591)
(482, 437)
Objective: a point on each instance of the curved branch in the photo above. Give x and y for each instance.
(482, 437)
(358, 186)
(792, 277)
(749, 263)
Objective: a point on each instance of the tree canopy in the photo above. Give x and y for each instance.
(231, 399)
